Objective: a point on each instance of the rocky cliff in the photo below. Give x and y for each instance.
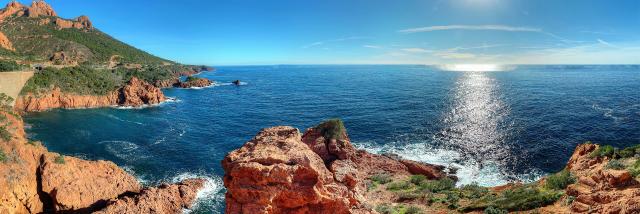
(135, 93)
(282, 171)
(34, 180)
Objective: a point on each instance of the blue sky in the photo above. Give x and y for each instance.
(372, 31)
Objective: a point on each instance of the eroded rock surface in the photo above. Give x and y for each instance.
(279, 171)
(598, 189)
(167, 198)
(135, 93)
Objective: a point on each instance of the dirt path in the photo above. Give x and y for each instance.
(11, 83)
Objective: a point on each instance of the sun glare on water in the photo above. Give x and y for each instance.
(474, 67)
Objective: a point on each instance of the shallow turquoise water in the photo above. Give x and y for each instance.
(495, 127)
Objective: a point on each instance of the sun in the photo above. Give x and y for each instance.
(473, 67)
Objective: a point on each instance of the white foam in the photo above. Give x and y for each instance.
(487, 173)
(125, 150)
(168, 100)
(210, 193)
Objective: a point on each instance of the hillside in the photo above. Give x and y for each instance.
(73, 55)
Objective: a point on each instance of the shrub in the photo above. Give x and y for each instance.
(413, 210)
(603, 151)
(5, 101)
(473, 191)
(385, 209)
(10, 66)
(409, 196)
(332, 129)
(3, 157)
(560, 180)
(399, 185)
(634, 169)
(59, 159)
(629, 151)
(4, 134)
(614, 164)
(382, 178)
(438, 185)
(493, 210)
(522, 198)
(417, 179)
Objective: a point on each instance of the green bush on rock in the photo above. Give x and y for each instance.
(59, 159)
(332, 129)
(560, 180)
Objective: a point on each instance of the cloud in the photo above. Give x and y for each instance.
(606, 43)
(471, 27)
(454, 55)
(416, 50)
(372, 46)
(319, 43)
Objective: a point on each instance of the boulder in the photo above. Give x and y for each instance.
(276, 173)
(167, 198)
(80, 184)
(40, 8)
(138, 92)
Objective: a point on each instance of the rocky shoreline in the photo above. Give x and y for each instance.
(35, 180)
(283, 171)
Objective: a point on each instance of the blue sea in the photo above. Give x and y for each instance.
(495, 127)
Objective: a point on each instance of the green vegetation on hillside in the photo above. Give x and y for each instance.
(37, 42)
(79, 80)
(11, 66)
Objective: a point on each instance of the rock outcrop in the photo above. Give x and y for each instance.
(195, 82)
(135, 93)
(167, 198)
(12, 8)
(599, 189)
(280, 171)
(79, 184)
(40, 8)
(173, 82)
(81, 22)
(5, 42)
(33, 180)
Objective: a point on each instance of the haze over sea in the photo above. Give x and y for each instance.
(494, 126)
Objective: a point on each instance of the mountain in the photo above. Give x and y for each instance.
(73, 57)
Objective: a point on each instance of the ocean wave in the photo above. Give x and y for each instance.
(211, 195)
(120, 119)
(124, 150)
(468, 171)
(606, 112)
(169, 100)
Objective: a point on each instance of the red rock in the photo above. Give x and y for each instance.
(167, 198)
(276, 173)
(5, 43)
(195, 82)
(40, 8)
(79, 184)
(138, 93)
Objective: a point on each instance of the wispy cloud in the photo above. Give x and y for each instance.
(319, 43)
(416, 50)
(454, 55)
(471, 27)
(372, 46)
(606, 43)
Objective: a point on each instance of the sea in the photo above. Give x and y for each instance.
(499, 125)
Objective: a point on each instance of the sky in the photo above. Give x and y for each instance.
(259, 32)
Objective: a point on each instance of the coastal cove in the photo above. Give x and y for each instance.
(495, 127)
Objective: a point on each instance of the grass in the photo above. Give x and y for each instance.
(3, 157)
(59, 159)
(382, 178)
(521, 198)
(399, 185)
(10, 66)
(629, 151)
(400, 209)
(417, 179)
(5, 135)
(332, 129)
(473, 191)
(436, 186)
(493, 210)
(615, 165)
(603, 151)
(560, 180)
(634, 169)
